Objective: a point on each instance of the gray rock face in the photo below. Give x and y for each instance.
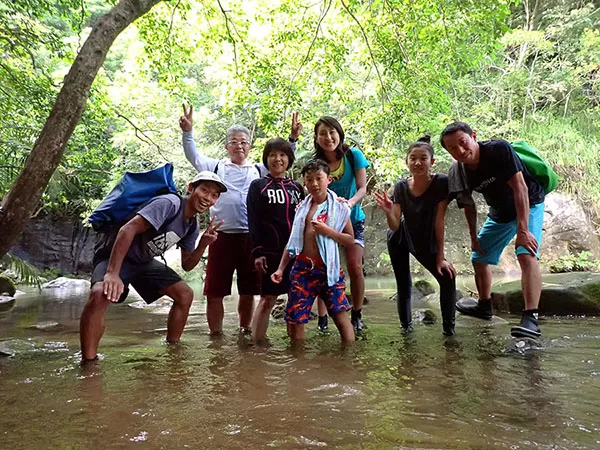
(57, 242)
(567, 228)
(575, 293)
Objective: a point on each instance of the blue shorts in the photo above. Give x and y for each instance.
(359, 233)
(494, 236)
(308, 280)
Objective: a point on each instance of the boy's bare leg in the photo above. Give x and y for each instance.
(296, 331)
(343, 325)
(92, 323)
(182, 296)
(214, 314)
(245, 310)
(260, 321)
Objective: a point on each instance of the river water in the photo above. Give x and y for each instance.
(473, 391)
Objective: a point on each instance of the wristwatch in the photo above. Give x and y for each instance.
(292, 140)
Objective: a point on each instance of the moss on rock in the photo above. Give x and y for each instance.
(575, 293)
(7, 286)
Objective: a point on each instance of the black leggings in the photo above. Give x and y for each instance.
(399, 256)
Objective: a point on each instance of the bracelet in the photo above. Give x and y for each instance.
(292, 140)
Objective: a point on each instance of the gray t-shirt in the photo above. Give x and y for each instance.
(166, 215)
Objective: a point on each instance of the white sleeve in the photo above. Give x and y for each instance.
(199, 161)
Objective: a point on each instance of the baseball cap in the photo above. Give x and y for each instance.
(207, 175)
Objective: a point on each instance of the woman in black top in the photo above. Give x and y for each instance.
(415, 215)
(272, 203)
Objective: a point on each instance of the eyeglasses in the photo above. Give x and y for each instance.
(236, 143)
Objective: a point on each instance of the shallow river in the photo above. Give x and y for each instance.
(387, 391)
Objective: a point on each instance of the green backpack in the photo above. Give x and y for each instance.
(540, 169)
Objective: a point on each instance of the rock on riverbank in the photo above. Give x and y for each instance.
(575, 293)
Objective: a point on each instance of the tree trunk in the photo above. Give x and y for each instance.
(25, 193)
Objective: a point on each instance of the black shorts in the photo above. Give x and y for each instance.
(149, 279)
(267, 287)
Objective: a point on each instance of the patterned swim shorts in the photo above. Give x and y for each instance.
(308, 280)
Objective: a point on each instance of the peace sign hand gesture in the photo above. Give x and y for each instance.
(384, 202)
(210, 234)
(296, 127)
(186, 122)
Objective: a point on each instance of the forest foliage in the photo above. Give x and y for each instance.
(390, 70)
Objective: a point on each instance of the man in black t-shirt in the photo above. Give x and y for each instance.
(516, 207)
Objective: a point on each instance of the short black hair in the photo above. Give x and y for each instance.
(278, 144)
(314, 165)
(423, 142)
(453, 128)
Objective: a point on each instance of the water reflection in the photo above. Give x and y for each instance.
(392, 390)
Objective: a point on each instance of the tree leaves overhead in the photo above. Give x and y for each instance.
(390, 70)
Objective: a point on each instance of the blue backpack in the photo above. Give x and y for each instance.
(132, 192)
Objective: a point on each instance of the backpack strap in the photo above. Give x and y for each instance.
(216, 169)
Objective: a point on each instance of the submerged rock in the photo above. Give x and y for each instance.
(6, 302)
(421, 288)
(278, 311)
(163, 302)
(67, 283)
(522, 345)
(6, 351)
(426, 316)
(575, 293)
(44, 326)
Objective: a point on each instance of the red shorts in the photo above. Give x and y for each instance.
(231, 252)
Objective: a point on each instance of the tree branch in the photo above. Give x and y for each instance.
(305, 59)
(142, 136)
(237, 72)
(383, 90)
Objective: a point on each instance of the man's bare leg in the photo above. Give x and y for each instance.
(182, 296)
(531, 280)
(483, 308)
(92, 323)
(245, 310)
(483, 280)
(214, 314)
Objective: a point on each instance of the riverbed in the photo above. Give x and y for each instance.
(479, 389)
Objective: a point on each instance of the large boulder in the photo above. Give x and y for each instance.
(7, 286)
(575, 293)
(567, 229)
